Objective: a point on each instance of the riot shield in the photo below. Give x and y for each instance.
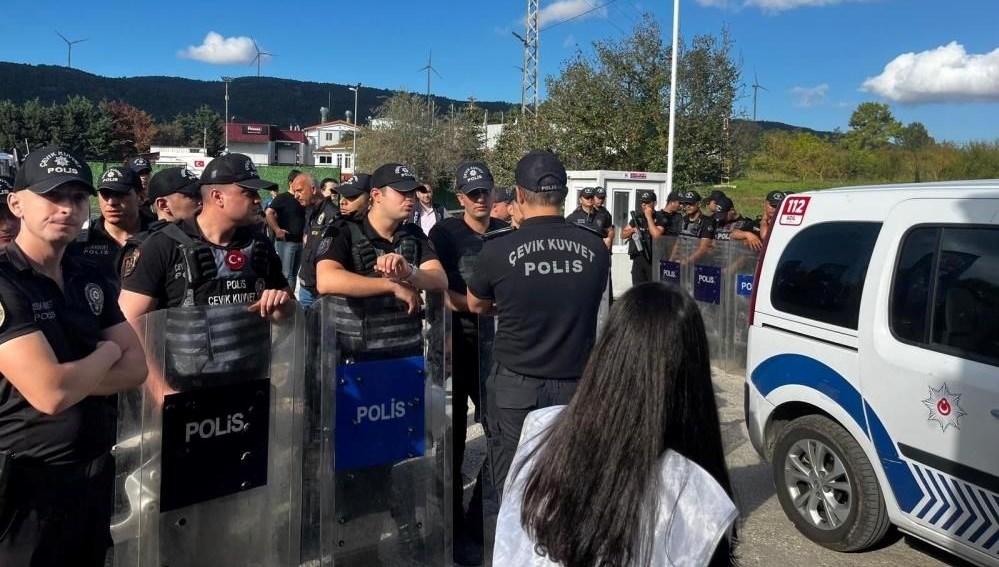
(739, 273)
(706, 281)
(209, 450)
(379, 474)
(665, 260)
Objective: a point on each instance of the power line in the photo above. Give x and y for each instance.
(594, 9)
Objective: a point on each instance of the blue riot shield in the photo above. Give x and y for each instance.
(665, 261)
(707, 281)
(378, 463)
(209, 450)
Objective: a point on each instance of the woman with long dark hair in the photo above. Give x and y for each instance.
(631, 472)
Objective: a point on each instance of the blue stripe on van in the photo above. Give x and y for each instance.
(787, 369)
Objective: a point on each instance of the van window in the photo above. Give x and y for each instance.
(821, 273)
(913, 280)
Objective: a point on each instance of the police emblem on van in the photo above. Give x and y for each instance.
(944, 408)
(95, 297)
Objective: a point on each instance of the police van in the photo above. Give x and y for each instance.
(873, 365)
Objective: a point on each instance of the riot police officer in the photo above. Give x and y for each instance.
(64, 348)
(354, 196)
(652, 224)
(175, 194)
(544, 281)
(734, 226)
(320, 213)
(587, 213)
(118, 198)
(458, 241)
(376, 266)
(695, 225)
(771, 205)
(600, 204)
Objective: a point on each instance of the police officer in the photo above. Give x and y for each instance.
(502, 197)
(673, 215)
(320, 213)
(654, 224)
(64, 348)
(695, 225)
(377, 266)
(214, 258)
(354, 196)
(771, 205)
(600, 203)
(9, 224)
(175, 194)
(587, 213)
(734, 226)
(141, 167)
(458, 241)
(544, 281)
(118, 198)
(711, 202)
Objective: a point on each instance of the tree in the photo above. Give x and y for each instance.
(132, 130)
(10, 120)
(37, 124)
(915, 138)
(872, 126)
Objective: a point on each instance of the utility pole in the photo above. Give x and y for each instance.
(353, 152)
(227, 81)
(529, 84)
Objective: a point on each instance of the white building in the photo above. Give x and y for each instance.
(332, 145)
(194, 159)
(266, 144)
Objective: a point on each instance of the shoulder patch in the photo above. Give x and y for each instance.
(128, 266)
(3, 314)
(324, 245)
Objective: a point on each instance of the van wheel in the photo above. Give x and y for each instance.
(827, 486)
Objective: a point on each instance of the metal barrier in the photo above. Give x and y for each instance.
(721, 282)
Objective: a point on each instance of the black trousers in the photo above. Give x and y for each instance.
(58, 516)
(641, 270)
(513, 396)
(465, 361)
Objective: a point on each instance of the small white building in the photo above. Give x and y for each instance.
(266, 144)
(332, 145)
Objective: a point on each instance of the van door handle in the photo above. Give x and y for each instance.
(995, 413)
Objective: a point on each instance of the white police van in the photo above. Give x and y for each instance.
(873, 364)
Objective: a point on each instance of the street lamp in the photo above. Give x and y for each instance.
(353, 163)
(227, 81)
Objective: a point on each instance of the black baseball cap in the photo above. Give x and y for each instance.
(673, 196)
(473, 176)
(599, 192)
(723, 205)
(587, 192)
(541, 171)
(138, 164)
(716, 196)
(174, 180)
(396, 176)
(690, 197)
(235, 168)
(775, 198)
(50, 167)
(647, 196)
(6, 186)
(356, 185)
(503, 194)
(120, 180)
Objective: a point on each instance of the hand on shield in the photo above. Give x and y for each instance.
(754, 242)
(271, 303)
(408, 295)
(393, 266)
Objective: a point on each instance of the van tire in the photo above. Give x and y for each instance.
(866, 521)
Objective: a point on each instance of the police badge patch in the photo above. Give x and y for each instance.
(3, 314)
(95, 297)
(324, 245)
(128, 266)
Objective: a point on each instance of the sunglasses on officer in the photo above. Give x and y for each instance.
(477, 194)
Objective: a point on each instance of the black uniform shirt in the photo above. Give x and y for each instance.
(317, 218)
(159, 269)
(452, 238)
(337, 244)
(96, 245)
(724, 231)
(597, 219)
(72, 323)
(547, 279)
(660, 218)
(701, 227)
(290, 216)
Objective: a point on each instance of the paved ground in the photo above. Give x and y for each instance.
(768, 538)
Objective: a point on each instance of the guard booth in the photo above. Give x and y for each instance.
(721, 283)
(377, 450)
(209, 451)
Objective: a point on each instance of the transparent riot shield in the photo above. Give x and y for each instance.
(684, 248)
(706, 281)
(665, 260)
(380, 473)
(209, 450)
(739, 274)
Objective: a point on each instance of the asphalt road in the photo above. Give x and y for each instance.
(767, 537)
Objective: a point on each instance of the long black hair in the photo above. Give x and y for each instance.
(646, 389)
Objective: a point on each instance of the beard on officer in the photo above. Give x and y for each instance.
(544, 281)
(65, 352)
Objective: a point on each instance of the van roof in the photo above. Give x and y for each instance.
(937, 189)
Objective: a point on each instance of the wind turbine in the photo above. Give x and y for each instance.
(257, 59)
(756, 89)
(430, 69)
(69, 46)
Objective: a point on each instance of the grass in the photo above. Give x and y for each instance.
(748, 194)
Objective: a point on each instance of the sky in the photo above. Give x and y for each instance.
(932, 61)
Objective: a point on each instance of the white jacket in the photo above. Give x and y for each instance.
(694, 510)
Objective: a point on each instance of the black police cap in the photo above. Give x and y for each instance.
(138, 164)
(473, 176)
(174, 180)
(647, 196)
(690, 197)
(396, 176)
(541, 171)
(503, 194)
(120, 180)
(775, 198)
(51, 167)
(235, 168)
(356, 185)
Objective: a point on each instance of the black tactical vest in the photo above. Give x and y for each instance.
(379, 325)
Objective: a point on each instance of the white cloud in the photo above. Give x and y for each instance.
(945, 74)
(565, 9)
(807, 97)
(569, 41)
(221, 50)
(772, 6)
